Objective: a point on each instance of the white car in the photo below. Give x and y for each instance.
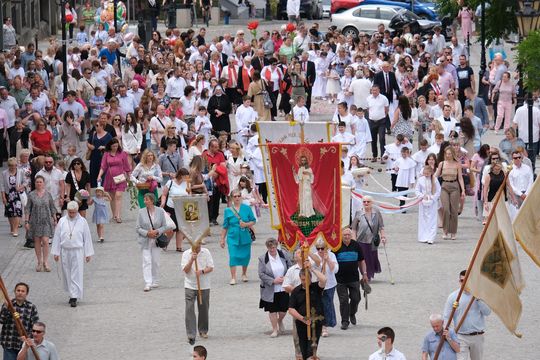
(364, 18)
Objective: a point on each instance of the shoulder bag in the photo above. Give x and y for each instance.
(88, 154)
(162, 241)
(376, 237)
(251, 232)
(267, 101)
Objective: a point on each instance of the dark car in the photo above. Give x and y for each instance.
(309, 9)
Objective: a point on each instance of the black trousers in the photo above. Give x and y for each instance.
(273, 97)
(3, 147)
(377, 128)
(263, 191)
(393, 178)
(399, 188)
(305, 344)
(349, 298)
(308, 97)
(213, 205)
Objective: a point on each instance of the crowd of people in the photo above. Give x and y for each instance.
(156, 120)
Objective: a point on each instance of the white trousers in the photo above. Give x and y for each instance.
(471, 347)
(150, 264)
(73, 271)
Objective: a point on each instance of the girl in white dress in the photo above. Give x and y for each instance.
(319, 87)
(406, 173)
(333, 85)
(345, 94)
(429, 189)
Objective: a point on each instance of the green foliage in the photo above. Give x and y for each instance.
(529, 57)
(500, 15)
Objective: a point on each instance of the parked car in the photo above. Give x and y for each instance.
(366, 18)
(418, 25)
(423, 8)
(326, 4)
(309, 9)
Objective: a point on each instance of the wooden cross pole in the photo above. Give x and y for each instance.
(314, 319)
(305, 257)
(16, 317)
(194, 245)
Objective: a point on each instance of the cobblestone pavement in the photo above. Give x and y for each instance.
(117, 320)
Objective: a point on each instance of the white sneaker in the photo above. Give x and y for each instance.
(146, 288)
(274, 334)
(232, 282)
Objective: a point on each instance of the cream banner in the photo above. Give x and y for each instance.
(192, 216)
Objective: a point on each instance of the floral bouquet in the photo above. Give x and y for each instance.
(291, 30)
(81, 195)
(252, 27)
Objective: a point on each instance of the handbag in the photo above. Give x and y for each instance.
(119, 179)
(251, 231)
(162, 241)
(376, 237)
(88, 154)
(496, 94)
(267, 101)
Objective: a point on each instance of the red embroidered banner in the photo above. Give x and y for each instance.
(307, 184)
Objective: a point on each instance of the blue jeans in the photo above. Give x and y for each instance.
(10, 354)
(328, 306)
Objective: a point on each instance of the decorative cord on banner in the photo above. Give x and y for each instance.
(387, 208)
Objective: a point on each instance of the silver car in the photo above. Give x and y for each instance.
(364, 18)
(326, 4)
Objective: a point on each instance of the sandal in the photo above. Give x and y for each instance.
(39, 267)
(179, 249)
(47, 268)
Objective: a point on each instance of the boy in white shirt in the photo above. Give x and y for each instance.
(435, 148)
(345, 138)
(203, 125)
(245, 116)
(300, 112)
(420, 157)
(360, 130)
(392, 152)
(406, 171)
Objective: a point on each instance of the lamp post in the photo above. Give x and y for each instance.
(62, 4)
(483, 64)
(268, 11)
(528, 19)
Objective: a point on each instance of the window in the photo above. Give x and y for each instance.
(357, 13)
(387, 14)
(369, 13)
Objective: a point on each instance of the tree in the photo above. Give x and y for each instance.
(500, 15)
(529, 58)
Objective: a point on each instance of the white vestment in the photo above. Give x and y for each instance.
(72, 242)
(245, 116)
(362, 134)
(427, 212)
(304, 192)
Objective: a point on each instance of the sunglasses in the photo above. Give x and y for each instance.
(48, 162)
(37, 331)
(77, 163)
(236, 196)
(320, 248)
(516, 157)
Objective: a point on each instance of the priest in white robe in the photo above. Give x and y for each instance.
(72, 244)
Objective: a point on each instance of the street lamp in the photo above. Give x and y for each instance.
(528, 19)
(62, 4)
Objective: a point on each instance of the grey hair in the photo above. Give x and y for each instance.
(270, 242)
(151, 196)
(320, 243)
(73, 205)
(435, 317)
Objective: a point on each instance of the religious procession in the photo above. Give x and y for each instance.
(342, 189)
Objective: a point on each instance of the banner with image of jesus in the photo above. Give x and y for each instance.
(307, 186)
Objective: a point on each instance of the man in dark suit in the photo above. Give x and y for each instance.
(259, 61)
(386, 80)
(223, 56)
(308, 67)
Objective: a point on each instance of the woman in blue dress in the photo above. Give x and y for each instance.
(237, 222)
(97, 141)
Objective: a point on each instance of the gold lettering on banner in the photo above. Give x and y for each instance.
(496, 263)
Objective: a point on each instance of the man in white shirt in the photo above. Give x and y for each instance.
(300, 112)
(176, 85)
(136, 92)
(360, 88)
(54, 182)
(199, 55)
(293, 10)
(378, 107)
(227, 44)
(385, 341)
(521, 123)
(197, 264)
(447, 121)
(72, 242)
(301, 40)
(245, 116)
(158, 124)
(520, 179)
(40, 101)
(126, 102)
(439, 40)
